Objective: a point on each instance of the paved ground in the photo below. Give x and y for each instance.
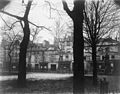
(38, 76)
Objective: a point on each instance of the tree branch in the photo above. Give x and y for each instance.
(21, 24)
(28, 9)
(65, 6)
(9, 14)
(5, 22)
(39, 26)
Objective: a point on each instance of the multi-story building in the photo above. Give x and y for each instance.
(42, 57)
(46, 57)
(107, 47)
(1, 56)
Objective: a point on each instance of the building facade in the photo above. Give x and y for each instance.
(108, 56)
(48, 58)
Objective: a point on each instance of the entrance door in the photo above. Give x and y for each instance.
(53, 67)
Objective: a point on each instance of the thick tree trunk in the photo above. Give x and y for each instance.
(78, 58)
(23, 44)
(78, 46)
(22, 55)
(94, 64)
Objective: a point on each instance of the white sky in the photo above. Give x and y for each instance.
(39, 14)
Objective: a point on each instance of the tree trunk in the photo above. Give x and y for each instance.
(29, 59)
(78, 46)
(10, 62)
(43, 56)
(94, 64)
(22, 55)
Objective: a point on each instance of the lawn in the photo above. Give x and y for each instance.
(38, 86)
(58, 86)
(61, 86)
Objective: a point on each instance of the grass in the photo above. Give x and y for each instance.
(38, 86)
(62, 86)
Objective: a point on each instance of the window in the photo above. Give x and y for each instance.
(103, 57)
(67, 56)
(68, 43)
(37, 53)
(87, 58)
(107, 57)
(98, 57)
(112, 56)
(84, 57)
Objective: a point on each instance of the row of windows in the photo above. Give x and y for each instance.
(99, 57)
(108, 57)
(41, 53)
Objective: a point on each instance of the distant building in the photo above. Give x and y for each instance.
(47, 57)
(107, 46)
(1, 55)
(113, 50)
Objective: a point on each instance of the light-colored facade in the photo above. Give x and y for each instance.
(47, 56)
(110, 44)
(1, 55)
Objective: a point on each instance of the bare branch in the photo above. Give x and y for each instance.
(28, 9)
(42, 27)
(21, 24)
(65, 6)
(5, 22)
(99, 19)
(9, 14)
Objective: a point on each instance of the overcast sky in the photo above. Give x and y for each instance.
(39, 14)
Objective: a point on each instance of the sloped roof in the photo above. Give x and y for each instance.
(109, 40)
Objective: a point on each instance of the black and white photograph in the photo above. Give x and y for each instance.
(59, 46)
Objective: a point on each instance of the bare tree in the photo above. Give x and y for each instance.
(59, 33)
(23, 45)
(11, 36)
(33, 38)
(78, 44)
(11, 39)
(99, 20)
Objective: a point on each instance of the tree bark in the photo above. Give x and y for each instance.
(10, 61)
(94, 64)
(22, 55)
(23, 47)
(23, 44)
(29, 58)
(78, 45)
